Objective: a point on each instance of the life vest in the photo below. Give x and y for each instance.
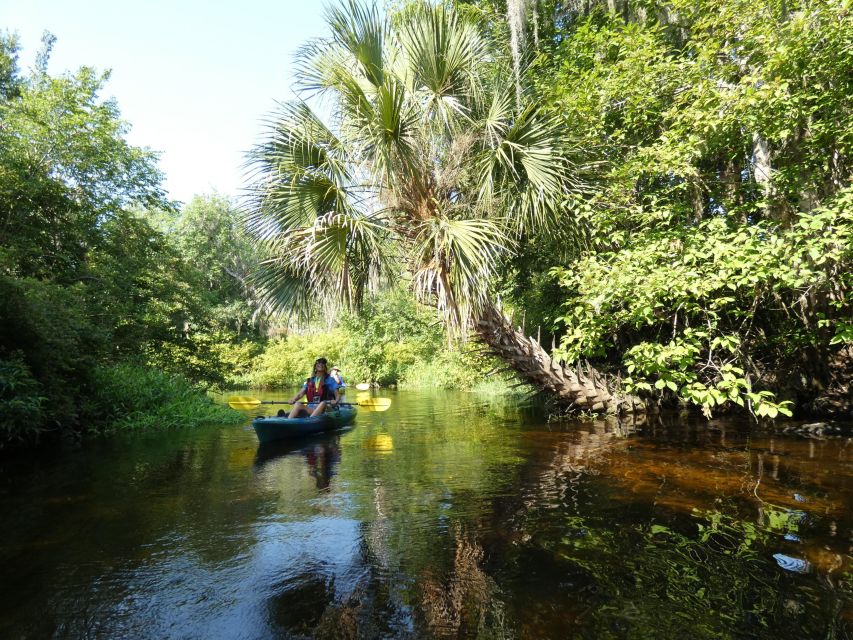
(318, 393)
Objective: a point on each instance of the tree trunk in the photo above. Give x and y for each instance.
(581, 390)
(515, 17)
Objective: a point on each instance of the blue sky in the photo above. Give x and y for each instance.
(193, 78)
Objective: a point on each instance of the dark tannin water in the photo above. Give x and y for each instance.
(447, 516)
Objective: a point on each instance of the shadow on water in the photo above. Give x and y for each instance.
(299, 603)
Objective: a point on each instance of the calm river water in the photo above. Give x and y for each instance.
(447, 516)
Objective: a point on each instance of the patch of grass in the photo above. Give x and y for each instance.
(132, 397)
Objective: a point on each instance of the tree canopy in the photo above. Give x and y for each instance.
(428, 167)
(721, 219)
(88, 279)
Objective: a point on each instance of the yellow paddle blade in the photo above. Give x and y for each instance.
(243, 402)
(375, 404)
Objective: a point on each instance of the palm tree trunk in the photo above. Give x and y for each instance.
(584, 389)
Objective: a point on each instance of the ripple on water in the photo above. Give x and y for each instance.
(446, 516)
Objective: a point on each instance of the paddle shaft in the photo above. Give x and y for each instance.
(245, 402)
(293, 403)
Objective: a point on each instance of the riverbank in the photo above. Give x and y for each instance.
(121, 398)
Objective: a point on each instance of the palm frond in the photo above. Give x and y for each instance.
(444, 54)
(338, 257)
(319, 62)
(497, 118)
(389, 135)
(456, 261)
(525, 164)
(361, 31)
(284, 289)
(301, 173)
(428, 165)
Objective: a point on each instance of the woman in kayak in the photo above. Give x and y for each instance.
(320, 389)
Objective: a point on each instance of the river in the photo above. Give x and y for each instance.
(446, 516)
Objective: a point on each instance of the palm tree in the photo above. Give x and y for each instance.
(427, 166)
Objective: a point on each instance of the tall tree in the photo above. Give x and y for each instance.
(65, 166)
(427, 161)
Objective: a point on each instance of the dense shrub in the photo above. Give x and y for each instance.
(237, 359)
(390, 335)
(392, 341)
(21, 403)
(718, 268)
(288, 361)
(46, 328)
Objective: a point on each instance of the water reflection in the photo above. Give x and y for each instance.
(322, 455)
(444, 517)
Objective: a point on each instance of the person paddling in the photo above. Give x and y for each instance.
(320, 388)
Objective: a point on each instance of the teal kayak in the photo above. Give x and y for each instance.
(274, 428)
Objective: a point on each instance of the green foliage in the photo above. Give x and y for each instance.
(51, 374)
(706, 297)
(132, 397)
(237, 359)
(677, 107)
(209, 236)
(451, 369)
(145, 291)
(844, 333)
(198, 313)
(390, 335)
(396, 340)
(86, 280)
(155, 304)
(21, 403)
(378, 345)
(64, 167)
(393, 341)
(288, 361)
(46, 327)
(424, 123)
(719, 265)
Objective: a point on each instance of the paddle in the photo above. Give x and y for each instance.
(247, 402)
